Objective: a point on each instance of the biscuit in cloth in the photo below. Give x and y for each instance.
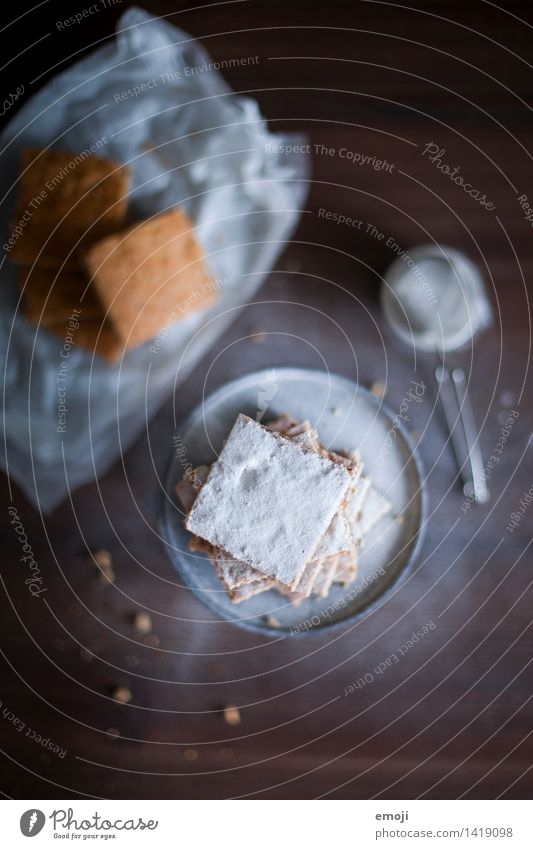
(96, 336)
(50, 296)
(65, 201)
(267, 502)
(58, 301)
(150, 275)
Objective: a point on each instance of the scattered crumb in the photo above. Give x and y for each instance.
(104, 563)
(258, 335)
(378, 389)
(190, 755)
(102, 558)
(272, 622)
(152, 641)
(232, 715)
(400, 519)
(107, 578)
(132, 661)
(335, 411)
(507, 398)
(122, 695)
(142, 622)
(226, 752)
(114, 733)
(86, 655)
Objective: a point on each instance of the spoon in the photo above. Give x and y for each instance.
(434, 298)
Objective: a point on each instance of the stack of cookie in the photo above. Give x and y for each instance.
(74, 255)
(279, 511)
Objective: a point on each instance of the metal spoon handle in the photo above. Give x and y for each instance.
(456, 406)
(450, 409)
(475, 459)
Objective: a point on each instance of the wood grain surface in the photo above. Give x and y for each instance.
(453, 717)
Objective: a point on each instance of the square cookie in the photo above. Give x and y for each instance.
(150, 275)
(61, 303)
(66, 201)
(96, 336)
(268, 502)
(50, 296)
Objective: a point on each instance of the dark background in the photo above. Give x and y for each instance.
(455, 716)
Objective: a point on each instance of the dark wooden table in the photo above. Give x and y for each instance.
(454, 717)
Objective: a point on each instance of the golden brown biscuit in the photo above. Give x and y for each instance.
(50, 296)
(96, 337)
(59, 302)
(66, 200)
(150, 275)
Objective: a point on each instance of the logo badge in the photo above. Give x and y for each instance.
(32, 822)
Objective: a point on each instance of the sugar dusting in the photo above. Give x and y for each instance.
(265, 482)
